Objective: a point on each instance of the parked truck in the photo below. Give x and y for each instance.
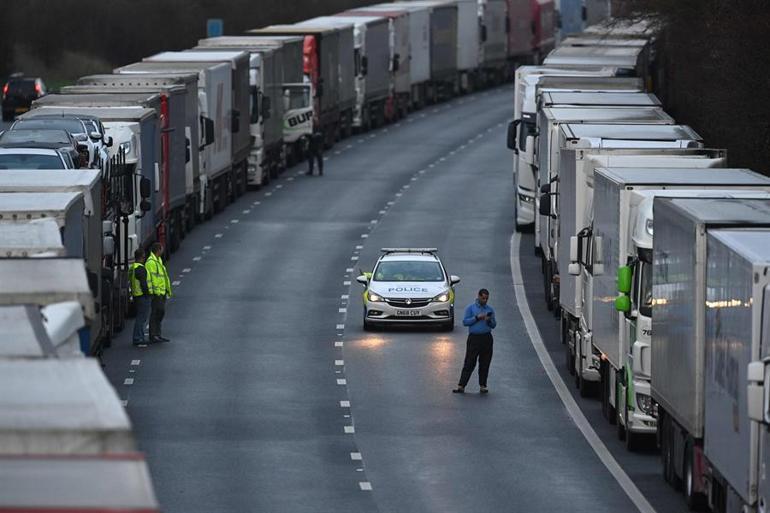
(632, 60)
(621, 237)
(214, 106)
(493, 36)
(410, 62)
(531, 30)
(372, 67)
(709, 282)
(168, 85)
(46, 281)
(29, 332)
(39, 238)
(523, 128)
(328, 67)
(570, 18)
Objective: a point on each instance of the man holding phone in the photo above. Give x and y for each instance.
(480, 319)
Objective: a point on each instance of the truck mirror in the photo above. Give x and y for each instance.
(396, 62)
(574, 269)
(545, 204)
(574, 249)
(145, 187)
(235, 122)
(545, 188)
(187, 152)
(266, 106)
(109, 141)
(624, 279)
(483, 33)
(364, 65)
(108, 245)
(511, 136)
(145, 206)
(623, 304)
(208, 131)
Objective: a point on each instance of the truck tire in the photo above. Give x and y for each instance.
(633, 440)
(667, 456)
(547, 285)
(696, 501)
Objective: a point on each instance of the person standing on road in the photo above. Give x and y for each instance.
(140, 293)
(480, 319)
(315, 151)
(159, 286)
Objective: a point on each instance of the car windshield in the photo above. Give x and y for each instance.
(72, 126)
(30, 161)
(405, 270)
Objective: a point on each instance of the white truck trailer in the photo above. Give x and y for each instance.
(493, 34)
(31, 332)
(622, 224)
(573, 141)
(709, 286)
(47, 281)
(38, 238)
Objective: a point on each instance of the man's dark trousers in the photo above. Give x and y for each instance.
(157, 311)
(312, 157)
(142, 311)
(478, 347)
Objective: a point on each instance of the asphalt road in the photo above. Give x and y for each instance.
(271, 398)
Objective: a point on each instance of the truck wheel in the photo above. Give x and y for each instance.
(667, 457)
(695, 501)
(547, 286)
(633, 440)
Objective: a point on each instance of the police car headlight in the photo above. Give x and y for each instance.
(375, 298)
(442, 298)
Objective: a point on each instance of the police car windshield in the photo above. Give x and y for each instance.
(402, 270)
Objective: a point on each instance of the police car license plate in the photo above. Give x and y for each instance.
(408, 313)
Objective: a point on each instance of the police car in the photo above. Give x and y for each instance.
(409, 285)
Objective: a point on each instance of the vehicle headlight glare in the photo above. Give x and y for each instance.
(376, 298)
(442, 298)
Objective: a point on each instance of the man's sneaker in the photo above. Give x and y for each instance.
(458, 390)
(163, 339)
(483, 390)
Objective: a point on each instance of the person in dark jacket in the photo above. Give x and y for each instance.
(140, 293)
(315, 151)
(480, 319)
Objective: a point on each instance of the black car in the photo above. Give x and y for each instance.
(19, 93)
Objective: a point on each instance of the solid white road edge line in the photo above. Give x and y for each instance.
(570, 404)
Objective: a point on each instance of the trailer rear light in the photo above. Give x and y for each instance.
(5, 90)
(38, 89)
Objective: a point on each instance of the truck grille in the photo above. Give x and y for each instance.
(408, 303)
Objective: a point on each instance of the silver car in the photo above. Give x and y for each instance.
(409, 285)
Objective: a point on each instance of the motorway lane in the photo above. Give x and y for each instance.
(241, 411)
(425, 449)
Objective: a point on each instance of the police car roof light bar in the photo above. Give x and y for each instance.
(429, 251)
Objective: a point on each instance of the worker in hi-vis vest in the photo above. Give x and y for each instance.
(159, 286)
(140, 294)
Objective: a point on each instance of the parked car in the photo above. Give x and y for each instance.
(45, 138)
(35, 158)
(19, 93)
(71, 124)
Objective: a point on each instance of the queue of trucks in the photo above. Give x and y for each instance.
(655, 257)
(120, 160)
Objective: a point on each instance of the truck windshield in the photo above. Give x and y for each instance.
(296, 97)
(527, 128)
(645, 282)
(398, 270)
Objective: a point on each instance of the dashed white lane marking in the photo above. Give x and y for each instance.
(346, 283)
(421, 171)
(405, 187)
(206, 248)
(344, 296)
(279, 186)
(359, 141)
(268, 194)
(342, 310)
(186, 270)
(573, 409)
(365, 486)
(391, 203)
(349, 430)
(399, 194)
(196, 259)
(134, 363)
(337, 152)
(364, 235)
(342, 381)
(128, 381)
(326, 158)
(218, 235)
(257, 202)
(359, 247)
(373, 221)
(434, 111)
(414, 179)
(348, 146)
(247, 211)
(176, 282)
(339, 363)
(382, 212)
(431, 165)
(349, 270)
(339, 344)
(340, 326)
(353, 258)
(344, 404)
(235, 221)
(372, 136)
(355, 456)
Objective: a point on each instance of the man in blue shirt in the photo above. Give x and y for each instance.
(480, 319)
